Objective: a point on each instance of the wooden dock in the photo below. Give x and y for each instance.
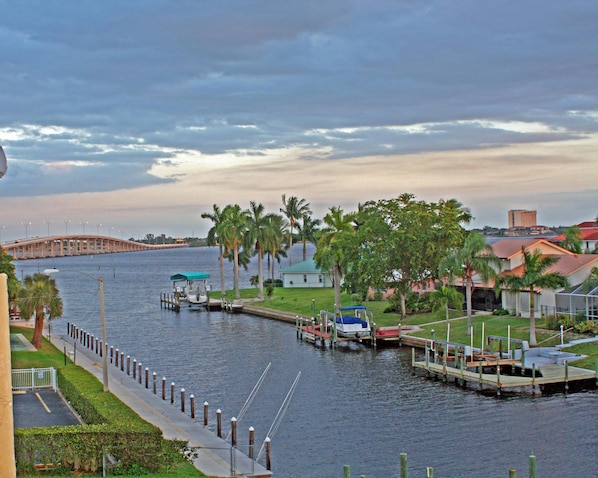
(550, 376)
(170, 301)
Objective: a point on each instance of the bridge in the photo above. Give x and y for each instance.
(75, 245)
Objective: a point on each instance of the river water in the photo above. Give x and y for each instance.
(352, 406)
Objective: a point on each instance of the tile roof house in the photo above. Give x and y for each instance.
(589, 237)
(575, 267)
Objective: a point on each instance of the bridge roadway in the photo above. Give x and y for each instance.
(75, 245)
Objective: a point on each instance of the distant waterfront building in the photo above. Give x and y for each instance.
(521, 218)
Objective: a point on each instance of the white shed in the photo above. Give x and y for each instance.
(304, 274)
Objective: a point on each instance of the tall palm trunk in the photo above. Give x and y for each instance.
(468, 295)
(291, 243)
(532, 318)
(337, 288)
(39, 328)
(236, 271)
(260, 271)
(221, 263)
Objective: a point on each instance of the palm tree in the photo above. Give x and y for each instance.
(256, 236)
(331, 252)
(592, 280)
(446, 297)
(308, 230)
(294, 209)
(274, 233)
(234, 229)
(40, 296)
(572, 239)
(475, 257)
(214, 238)
(13, 284)
(534, 277)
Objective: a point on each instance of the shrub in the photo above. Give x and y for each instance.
(501, 312)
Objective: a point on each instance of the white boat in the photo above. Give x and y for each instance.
(353, 322)
(191, 287)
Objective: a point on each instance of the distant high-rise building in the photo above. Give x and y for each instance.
(522, 218)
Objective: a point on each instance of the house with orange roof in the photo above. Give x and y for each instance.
(589, 237)
(575, 267)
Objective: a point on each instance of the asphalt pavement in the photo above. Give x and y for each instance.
(42, 408)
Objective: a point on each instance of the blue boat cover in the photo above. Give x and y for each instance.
(351, 319)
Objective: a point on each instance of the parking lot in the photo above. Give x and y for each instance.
(41, 408)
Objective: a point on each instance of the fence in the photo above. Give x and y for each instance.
(33, 378)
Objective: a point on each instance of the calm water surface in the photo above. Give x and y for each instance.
(353, 406)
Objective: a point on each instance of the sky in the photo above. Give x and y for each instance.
(128, 118)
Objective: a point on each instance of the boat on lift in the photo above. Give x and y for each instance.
(353, 322)
(191, 287)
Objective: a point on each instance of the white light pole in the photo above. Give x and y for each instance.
(48, 223)
(26, 224)
(102, 322)
(1, 227)
(66, 227)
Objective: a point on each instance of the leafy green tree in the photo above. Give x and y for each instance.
(535, 276)
(40, 296)
(294, 209)
(402, 240)
(235, 226)
(572, 240)
(334, 245)
(214, 239)
(257, 223)
(308, 230)
(8, 268)
(473, 258)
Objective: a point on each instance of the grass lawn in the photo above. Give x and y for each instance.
(306, 301)
(50, 356)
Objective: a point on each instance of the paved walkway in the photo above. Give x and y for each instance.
(214, 454)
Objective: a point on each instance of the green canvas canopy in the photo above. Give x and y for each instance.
(190, 276)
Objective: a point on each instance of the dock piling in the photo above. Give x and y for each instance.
(404, 472)
(532, 466)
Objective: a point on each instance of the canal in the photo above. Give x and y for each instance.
(353, 406)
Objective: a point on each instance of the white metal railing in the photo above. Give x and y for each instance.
(33, 378)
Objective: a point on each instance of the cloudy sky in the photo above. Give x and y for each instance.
(132, 117)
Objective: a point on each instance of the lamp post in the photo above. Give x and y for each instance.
(100, 279)
(48, 223)
(1, 227)
(66, 227)
(26, 224)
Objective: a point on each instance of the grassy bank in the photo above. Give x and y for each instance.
(306, 301)
(50, 356)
